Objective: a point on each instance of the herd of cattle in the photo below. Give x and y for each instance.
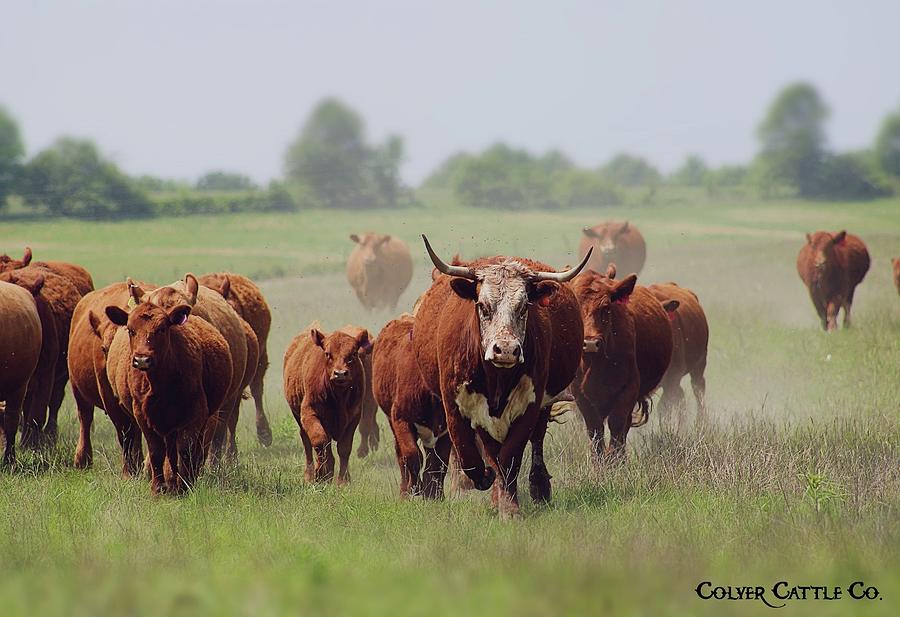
(490, 354)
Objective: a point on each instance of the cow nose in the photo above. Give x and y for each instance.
(591, 345)
(340, 374)
(142, 363)
(505, 355)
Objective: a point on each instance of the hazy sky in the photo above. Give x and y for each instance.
(178, 88)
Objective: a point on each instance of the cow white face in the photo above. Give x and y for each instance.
(502, 294)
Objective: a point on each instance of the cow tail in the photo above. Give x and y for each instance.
(646, 405)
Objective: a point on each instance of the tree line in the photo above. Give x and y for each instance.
(332, 164)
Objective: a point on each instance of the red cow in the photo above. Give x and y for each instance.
(323, 385)
(627, 349)
(831, 266)
(369, 434)
(483, 341)
(79, 277)
(618, 243)
(172, 374)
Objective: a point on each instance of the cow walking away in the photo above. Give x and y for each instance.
(323, 386)
(379, 269)
(627, 349)
(20, 350)
(172, 372)
(690, 338)
(614, 243)
(483, 340)
(249, 303)
(414, 413)
(831, 265)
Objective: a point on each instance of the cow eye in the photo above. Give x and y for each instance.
(483, 310)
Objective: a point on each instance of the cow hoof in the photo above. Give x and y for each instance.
(539, 486)
(487, 480)
(264, 434)
(82, 460)
(363, 450)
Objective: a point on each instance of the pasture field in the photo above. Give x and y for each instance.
(797, 479)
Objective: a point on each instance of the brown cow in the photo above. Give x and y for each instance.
(369, 434)
(248, 302)
(379, 269)
(627, 349)
(323, 385)
(690, 338)
(79, 277)
(483, 340)
(413, 411)
(90, 338)
(895, 262)
(173, 373)
(212, 307)
(56, 298)
(618, 243)
(831, 266)
(20, 350)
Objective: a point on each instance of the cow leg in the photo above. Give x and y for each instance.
(463, 437)
(619, 422)
(409, 458)
(459, 481)
(309, 471)
(507, 458)
(84, 451)
(345, 448)
(263, 430)
(848, 302)
(190, 455)
(11, 415)
(436, 468)
(35, 411)
(698, 385)
(831, 315)
(368, 431)
(129, 435)
(672, 403)
(321, 444)
(156, 453)
(51, 430)
(539, 477)
(172, 472)
(594, 425)
(819, 304)
(231, 451)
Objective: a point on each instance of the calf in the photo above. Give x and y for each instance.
(20, 351)
(90, 338)
(627, 349)
(369, 434)
(172, 373)
(77, 275)
(483, 341)
(690, 338)
(831, 266)
(323, 385)
(249, 303)
(415, 414)
(56, 297)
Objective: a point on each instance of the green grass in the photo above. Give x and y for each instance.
(797, 479)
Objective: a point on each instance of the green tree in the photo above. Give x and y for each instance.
(792, 136)
(71, 179)
(887, 145)
(224, 181)
(330, 157)
(692, 172)
(628, 170)
(11, 153)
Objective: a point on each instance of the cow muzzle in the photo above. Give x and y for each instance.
(142, 363)
(591, 345)
(340, 376)
(505, 354)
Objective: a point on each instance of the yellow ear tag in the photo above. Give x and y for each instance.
(131, 302)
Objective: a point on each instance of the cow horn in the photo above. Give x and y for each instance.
(460, 271)
(568, 275)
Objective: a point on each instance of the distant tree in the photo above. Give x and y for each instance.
(726, 177)
(580, 188)
(160, 185)
(11, 153)
(691, 173)
(628, 170)
(443, 177)
(887, 145)
(71, 178)
(851, 175)
(555, 161)
(792, 136)
(504, 177)
(385, 169)
(224, 181)
(330, 156)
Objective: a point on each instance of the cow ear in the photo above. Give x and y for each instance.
(117, 315)
(383, 240)
(542, 291)
(839, 237)
(363, 341)
(464, 288)
(178, 315)
(611, 271)
(355, 238)
(589, 232)
(226, 287)
(671, 305)
(623, 288)
(317, 337)
(624, 227)
(37, 285)
(134, 290)
(191, 287)
(94, 321)
(26, 256)
(808, 238)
